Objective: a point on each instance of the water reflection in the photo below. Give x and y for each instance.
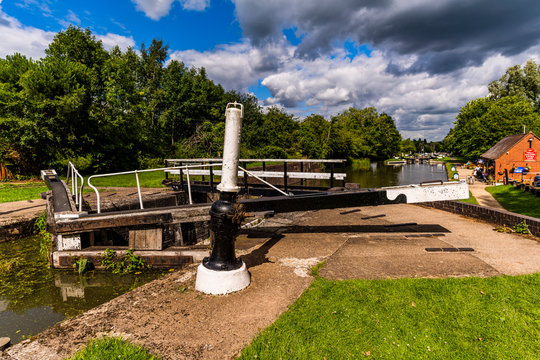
(34, 297)
(377, 174)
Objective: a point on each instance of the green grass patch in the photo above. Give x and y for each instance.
(112, 348)
(449, 165)
(470, 200)
(21, 191)
(146, 179)
(455, 318)
(516, 200)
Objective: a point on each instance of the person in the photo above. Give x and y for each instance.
(476, 171)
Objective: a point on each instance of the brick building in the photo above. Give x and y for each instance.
(513, 153)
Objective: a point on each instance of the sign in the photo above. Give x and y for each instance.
(519, 170)
(529, 155)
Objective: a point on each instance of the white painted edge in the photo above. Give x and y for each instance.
(432, 192)
(221, 282)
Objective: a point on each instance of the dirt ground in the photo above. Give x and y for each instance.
(171, 319)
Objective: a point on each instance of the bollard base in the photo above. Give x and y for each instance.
(221, 282)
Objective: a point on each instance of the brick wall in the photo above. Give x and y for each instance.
(514, 157)
(498, 217)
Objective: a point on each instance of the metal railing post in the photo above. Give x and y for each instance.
(331, 175)
(166, 166)
(211, 179)
(139, 189)
(245, 178)
(189, 186)
(181, 176)
(301, 170)
(285, 176)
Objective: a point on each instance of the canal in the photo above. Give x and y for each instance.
(33, 296)
(377, 174)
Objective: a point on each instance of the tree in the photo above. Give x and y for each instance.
(483, 122)
(364, 133)
(314, 137)
(407, 146)
(521, 82)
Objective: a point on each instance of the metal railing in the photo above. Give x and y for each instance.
(75, 190)
(136, 172)
(332, 176)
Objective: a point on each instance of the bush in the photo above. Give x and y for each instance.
(272, 152)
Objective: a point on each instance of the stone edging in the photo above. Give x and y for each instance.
(499, 217)
(18, 229)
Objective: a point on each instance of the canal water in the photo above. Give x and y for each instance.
(377, 174)
(33, 296)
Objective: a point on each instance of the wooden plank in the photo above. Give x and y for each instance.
(180, 214)
(261, 160)
(146, 239)
(267, 174)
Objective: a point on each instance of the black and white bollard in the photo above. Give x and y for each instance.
(222, 272)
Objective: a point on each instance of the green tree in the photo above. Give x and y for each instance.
(407, 146)
(314, 137)
(361, 133)
(483, 122)
(521, 82)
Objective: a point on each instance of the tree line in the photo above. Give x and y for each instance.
(513, 103)
(117, 110)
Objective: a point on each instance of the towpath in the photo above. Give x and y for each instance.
(171, 319)
(478, 189)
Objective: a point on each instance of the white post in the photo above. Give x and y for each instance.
(222, 272)
(139, 189)
(231, 148)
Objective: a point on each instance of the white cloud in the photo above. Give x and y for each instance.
(422, 104)
(197, 5)
(156, 9)
(32, 42)
(26, 40)
(72, 17)
(111, 40)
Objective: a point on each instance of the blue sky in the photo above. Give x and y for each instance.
(419, 61)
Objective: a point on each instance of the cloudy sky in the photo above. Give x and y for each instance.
(417, 60)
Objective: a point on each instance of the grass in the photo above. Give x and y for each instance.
(455, 318)
(112, 348)
(146, 179)
(470, 200)
(516, 200)
(449, 165)
(21, 191)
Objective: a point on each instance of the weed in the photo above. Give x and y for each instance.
(130, 263)
(521, 228)
(45, 241)
(316, 268)
(82, 265)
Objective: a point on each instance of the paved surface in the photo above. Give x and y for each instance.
(11, 211)
(478, 189)
(188, 325)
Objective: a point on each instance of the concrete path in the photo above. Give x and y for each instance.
(18, 209)
(171, 319)
(478, 189)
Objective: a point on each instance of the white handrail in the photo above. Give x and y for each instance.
(136, 172)
(266, 182)
(75, 176)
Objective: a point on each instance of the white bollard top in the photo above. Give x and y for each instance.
(231, 147)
